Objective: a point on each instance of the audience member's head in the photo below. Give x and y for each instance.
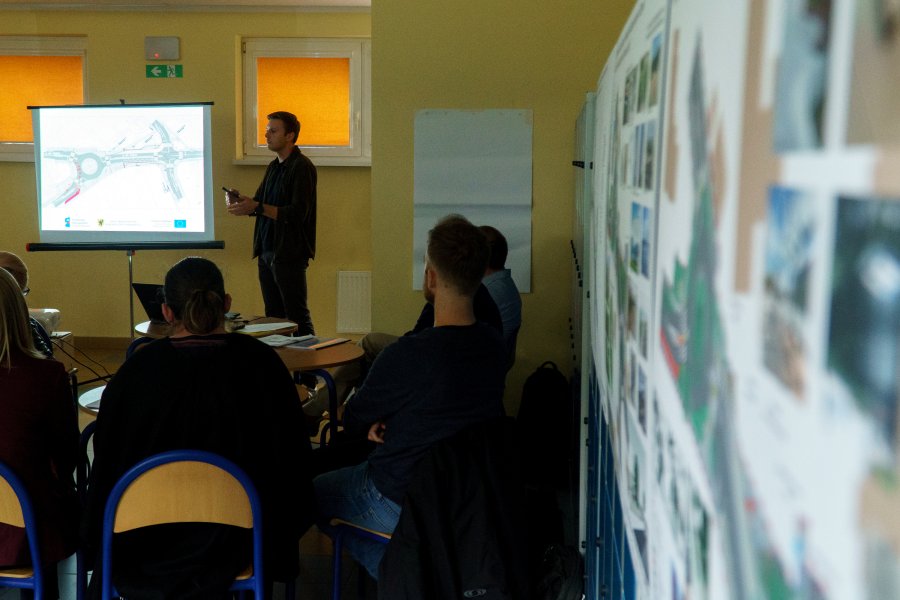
(458, 252)
(291, 123)
(195, 294)
(16, 268)
(15, 334)
(498, 247)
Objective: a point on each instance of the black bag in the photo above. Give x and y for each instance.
(545, 428)
(562, 574)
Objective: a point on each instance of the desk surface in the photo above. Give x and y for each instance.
(159, 330)
(295, 359)
(323, 358)
(89, 401)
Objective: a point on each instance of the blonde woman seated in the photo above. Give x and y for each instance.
(205, 389)
(38, 438)
(16, 267)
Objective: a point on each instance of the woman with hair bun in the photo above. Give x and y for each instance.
(206, 389)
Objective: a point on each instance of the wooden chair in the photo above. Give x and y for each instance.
(16, 510)
(182, 486)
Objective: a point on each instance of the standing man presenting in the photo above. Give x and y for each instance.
(284, 237)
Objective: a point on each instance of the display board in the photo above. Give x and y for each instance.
(746, 282)
(124, 174)
(476, 163)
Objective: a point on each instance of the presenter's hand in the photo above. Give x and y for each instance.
(376, 432)
(240, 205)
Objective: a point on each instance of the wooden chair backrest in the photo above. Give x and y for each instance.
(183, 492)
(10, 509)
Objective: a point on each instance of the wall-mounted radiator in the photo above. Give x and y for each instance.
(354, 302)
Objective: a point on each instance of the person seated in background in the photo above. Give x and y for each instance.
(205, 389)
(14, 265)
(499, 283)
(38, 439)
(421, 389)
(346, 377)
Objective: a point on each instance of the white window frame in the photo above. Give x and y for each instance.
(359, 51)
(14, 45)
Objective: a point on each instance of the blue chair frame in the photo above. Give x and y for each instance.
(342, 528)
(20, 580)
(82, 474)
(327, 435)
(254, 582)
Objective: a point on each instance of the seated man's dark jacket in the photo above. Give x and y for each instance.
(227, 394)
(426, 387)
(462, 528)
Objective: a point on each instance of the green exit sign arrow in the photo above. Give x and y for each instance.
(164, 71)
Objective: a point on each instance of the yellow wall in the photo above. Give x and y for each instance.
(475, 54)
(91, 288)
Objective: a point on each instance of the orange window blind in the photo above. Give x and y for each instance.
(36, 81)
(317, 90)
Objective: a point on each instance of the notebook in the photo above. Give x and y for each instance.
(151, 296)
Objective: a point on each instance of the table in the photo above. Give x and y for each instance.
(159, 330)
(89, 401)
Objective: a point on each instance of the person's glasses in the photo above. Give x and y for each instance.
(25, 291)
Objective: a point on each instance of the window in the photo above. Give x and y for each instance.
(36, 71)
(325, 82)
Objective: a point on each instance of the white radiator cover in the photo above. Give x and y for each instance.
(354, 302)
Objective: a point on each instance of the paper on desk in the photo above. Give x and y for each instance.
(277, 341)
(263, 327)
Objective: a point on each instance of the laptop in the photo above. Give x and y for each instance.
(151, 297)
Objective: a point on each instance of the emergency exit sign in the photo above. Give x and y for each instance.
(164, 71)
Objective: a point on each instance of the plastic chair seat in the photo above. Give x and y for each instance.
(17, 572)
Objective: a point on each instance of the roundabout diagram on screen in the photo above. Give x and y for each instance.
(89, 166)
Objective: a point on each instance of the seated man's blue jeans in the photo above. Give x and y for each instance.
(350, 494)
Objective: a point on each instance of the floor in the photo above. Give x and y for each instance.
(97, 360)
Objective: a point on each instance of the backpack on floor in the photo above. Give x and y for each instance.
(545, 428)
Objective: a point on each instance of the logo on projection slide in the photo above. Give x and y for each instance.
(68, 221)
(180, 223)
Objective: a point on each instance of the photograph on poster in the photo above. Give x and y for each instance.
(610, 312)
(789, 256)
(655, 63)
(865, 308)
(874, 113)
(649, 155)
(642, 398)
(646, 239)
(631, 315)
(640, 133)
(628, 97)
(799, 112)
(637, 213)
(643, 85)
(643, 328)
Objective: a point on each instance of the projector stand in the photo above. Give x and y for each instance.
(130, 255)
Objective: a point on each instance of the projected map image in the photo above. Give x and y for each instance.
(122, 170)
